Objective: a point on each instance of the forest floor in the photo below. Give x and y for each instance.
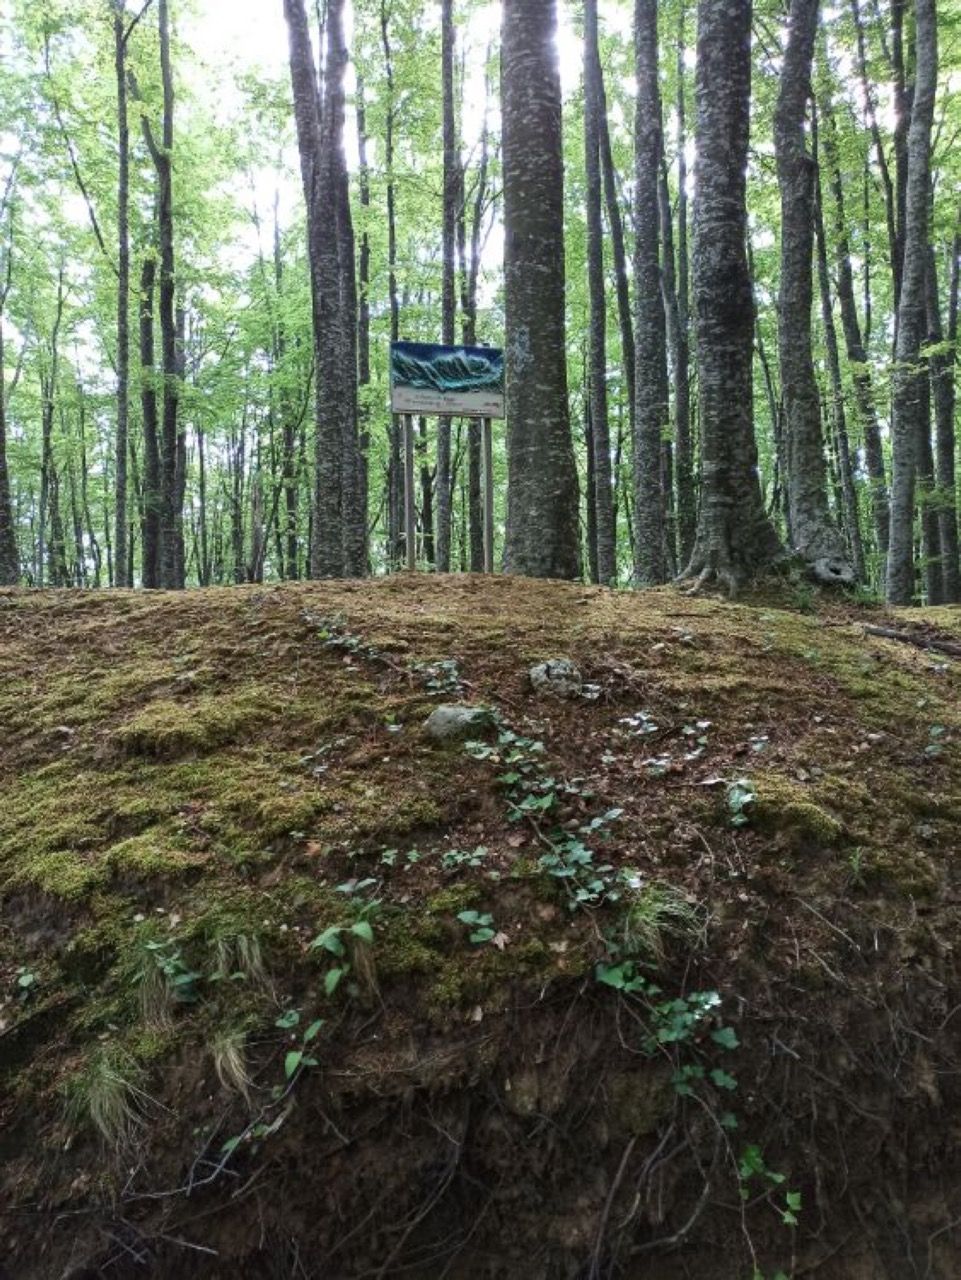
(659, 980)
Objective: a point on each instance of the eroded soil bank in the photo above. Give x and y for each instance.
(654, 980)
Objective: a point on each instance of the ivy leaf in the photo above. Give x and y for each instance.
(726, 1037)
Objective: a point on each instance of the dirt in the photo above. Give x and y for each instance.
(657, 981)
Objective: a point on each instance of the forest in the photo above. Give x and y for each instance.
(480, 645)
(729, 254)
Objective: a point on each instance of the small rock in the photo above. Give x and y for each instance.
(558, 676)
(455, 722)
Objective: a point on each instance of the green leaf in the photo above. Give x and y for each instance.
(332, 980)
(329, 940)
(288, 1019)
(312, 1030)
(292, 1062)
(726, 1037)
(361, 929)
(723, 1080)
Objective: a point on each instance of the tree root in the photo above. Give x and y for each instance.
(950, 647)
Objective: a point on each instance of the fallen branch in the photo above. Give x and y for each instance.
(920, 642)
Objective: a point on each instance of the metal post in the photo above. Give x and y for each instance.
(410, 524)
(488, 455)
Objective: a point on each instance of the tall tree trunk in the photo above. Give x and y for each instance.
(9, 554)
(470, 263)
(941, 365)
(910, 383)
(123, 293)
(542, 502)
(615, 224)
(887, 186)
(683, 438)
(169, 514)
(735, 538)
(150, 537)
(335, 548)
(854, 343)
(353, 479)
(651, 412)
(815, 537)
(449, 273)
(842, 447)
(601, 501)
(395, 470)
(363, 296)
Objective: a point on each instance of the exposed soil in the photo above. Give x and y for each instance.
(703, 1018)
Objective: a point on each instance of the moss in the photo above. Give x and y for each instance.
(149, 854)
(61, 873)
(784, 808)
(457, 897)
(169, 728)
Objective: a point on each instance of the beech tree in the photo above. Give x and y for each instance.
(735, 537)
(909, 408)
(542, 502)
(814, 531)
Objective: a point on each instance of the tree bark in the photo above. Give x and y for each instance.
(449, 275)
(854, 343)
(683, 437)
(339, 527)
(150, 536)
(842, 446)
(941, 364)
(170, 514)
(735, 539)
(542, 503)
(123, 293)
(9, 553)
(815, 536)
(601, 500)
(651, 415)
(395, 469)
(910, 383)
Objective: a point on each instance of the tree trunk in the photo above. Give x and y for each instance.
(169, 514)
(735, 538)
(363, 299)
(853, 341)
(395, 469)
(9, 554)
(601, 501)
(542, 502)
(352, 481)
(842, 447)
(651, 415)
(615, 223)
(150, 537)
(910, 383)
(683, 438)
(123, 293)
(815, 537)
(941, 371)
(449, 273)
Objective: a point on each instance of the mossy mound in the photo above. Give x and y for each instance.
(287, 988)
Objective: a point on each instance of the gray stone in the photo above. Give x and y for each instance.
(558, 676)
(456, 722)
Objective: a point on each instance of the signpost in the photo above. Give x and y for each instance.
(447, 382)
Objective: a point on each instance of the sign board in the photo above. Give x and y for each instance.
(458, 382)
